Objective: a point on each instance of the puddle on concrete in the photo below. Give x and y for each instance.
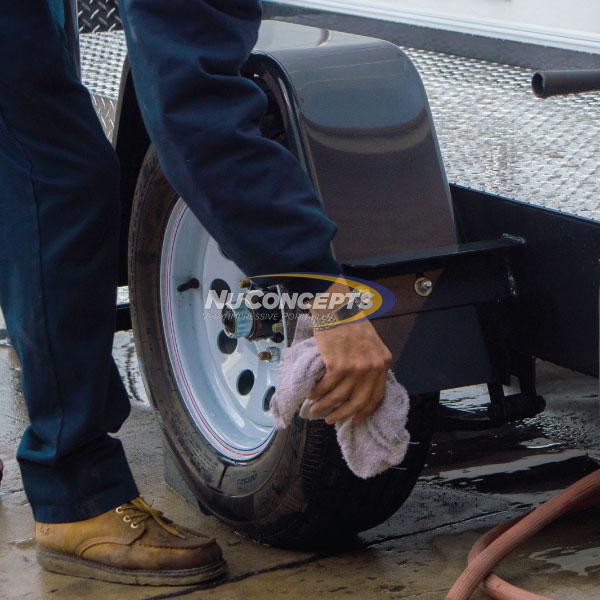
(28, 542)
(540, 443)
(581, 561)
(516, 461)
(525, 461)
(523, 478)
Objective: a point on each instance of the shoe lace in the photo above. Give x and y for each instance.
(138, 511)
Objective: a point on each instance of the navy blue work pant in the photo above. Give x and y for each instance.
(59, 227)
(59, 215)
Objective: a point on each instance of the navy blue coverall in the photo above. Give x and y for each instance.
(59, 223)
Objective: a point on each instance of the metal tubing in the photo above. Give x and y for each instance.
(556, 83)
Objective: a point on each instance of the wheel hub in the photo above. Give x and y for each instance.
(237, 322)
(247, 319)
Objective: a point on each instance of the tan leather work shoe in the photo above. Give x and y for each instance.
(133, 543)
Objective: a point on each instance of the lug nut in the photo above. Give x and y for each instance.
(271, 354)
(423, 286)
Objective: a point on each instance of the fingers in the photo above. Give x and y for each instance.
(356, 393)
(375, 400)
(360, 397)
(337, 395)
(326, 384)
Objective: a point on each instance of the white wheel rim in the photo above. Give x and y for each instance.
(224, 390)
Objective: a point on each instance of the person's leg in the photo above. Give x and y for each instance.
(203, 118)
(58, 266)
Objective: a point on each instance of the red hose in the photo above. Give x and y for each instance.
(494, 586)
(501, 541)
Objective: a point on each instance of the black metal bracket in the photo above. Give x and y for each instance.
(502, 409)
(462, 262)
(430, 258)
(456, 335)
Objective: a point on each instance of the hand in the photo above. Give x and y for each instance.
(356, 362)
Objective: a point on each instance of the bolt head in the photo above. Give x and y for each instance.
(423, 286)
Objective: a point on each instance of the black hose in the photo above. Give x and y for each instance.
(556, 83)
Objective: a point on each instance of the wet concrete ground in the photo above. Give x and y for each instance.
(472, 482)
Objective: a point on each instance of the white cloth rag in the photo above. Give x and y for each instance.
(372, 447)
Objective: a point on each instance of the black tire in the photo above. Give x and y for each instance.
(299, 492)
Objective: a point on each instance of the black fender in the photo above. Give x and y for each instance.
(376, 164)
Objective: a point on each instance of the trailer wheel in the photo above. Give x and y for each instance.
(287, 488)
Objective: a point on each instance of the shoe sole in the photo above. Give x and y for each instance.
(79, 567)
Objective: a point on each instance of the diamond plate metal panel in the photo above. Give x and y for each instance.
(497, 137)
(494, 134)
(106, 109)
(98, 15)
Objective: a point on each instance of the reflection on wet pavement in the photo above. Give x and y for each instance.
(472, 481)
(582, 561)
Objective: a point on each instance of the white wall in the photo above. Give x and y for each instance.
(564, 23)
